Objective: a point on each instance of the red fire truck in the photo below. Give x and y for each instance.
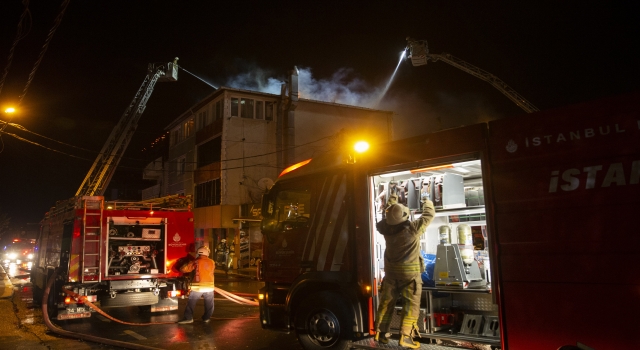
(114, 253)
(530, 248)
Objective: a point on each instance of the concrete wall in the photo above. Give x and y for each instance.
(182, 183)
(215, 216)
(317, 120)
(248, 153)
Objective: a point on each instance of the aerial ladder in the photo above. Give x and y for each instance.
(418, 52)
(103, 168)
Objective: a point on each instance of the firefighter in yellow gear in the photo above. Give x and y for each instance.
(403, 266)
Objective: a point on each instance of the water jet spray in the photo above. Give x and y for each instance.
(386, 88)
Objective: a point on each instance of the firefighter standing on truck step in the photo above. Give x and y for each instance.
(403, 265)
(202, 286)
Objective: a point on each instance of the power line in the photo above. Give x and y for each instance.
(56, 24)
(39, 145)
(32, 74)
(19, 36)
(20, 127)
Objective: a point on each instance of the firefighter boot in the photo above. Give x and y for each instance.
(408, 342)
(381, 337)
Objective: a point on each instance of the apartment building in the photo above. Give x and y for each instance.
(227, 149)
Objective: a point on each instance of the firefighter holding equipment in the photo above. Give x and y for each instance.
(403, 264)
(224, 256)
(202, 285)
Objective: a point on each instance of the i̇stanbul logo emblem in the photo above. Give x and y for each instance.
(176, 241)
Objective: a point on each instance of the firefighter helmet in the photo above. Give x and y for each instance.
(397, 214)
(204, 250)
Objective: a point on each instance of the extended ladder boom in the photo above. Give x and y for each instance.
(419, 55)
(103, 168)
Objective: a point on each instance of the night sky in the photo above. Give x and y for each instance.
(554, 55)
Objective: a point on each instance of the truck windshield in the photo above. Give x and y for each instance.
(286, 205)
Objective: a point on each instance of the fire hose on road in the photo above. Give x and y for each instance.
(83, 299)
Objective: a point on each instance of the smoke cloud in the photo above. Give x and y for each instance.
(413, 115)
(342, 87)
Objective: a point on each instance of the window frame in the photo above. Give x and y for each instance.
(262, 109)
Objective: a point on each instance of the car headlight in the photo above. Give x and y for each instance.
(30, 256)
(13, 255)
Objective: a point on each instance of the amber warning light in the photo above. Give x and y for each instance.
(295, 166)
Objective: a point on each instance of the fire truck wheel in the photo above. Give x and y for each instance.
(52, 307)
(322, 322)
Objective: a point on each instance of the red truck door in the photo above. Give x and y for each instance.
(566, 193)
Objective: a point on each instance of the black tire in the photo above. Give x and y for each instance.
(52, 305)
(323, 322)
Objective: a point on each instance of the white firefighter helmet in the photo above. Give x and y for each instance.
(396, 214)
(204, 250)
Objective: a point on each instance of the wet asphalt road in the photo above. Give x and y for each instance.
(233, 326)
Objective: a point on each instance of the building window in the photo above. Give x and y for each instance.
(208, 193)
(247, 106)
(252, 109)
(187, 129)
(259, 109)
(268, 110)
(217, 110)
(177, 135)
(181, 165)
(203, 119)
(234, 106)
(209, 152)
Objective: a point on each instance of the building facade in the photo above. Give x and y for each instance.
(227, 149)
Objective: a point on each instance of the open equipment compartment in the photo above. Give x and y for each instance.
(136, 246)
(457, 303)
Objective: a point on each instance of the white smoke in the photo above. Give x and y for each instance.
(413, 115)
(342, 87)
(255, 80)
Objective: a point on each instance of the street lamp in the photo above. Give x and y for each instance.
(9, 111)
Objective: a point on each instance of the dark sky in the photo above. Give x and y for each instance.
(556, 54)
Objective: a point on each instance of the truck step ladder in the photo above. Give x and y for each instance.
(91, 238)
(370, 343)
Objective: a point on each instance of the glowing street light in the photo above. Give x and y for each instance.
(8, 111)
(361, 146)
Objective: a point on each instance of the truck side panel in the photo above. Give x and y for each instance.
(565, 185)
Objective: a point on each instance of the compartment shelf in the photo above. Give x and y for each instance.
(460, 211)
(471, 301)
